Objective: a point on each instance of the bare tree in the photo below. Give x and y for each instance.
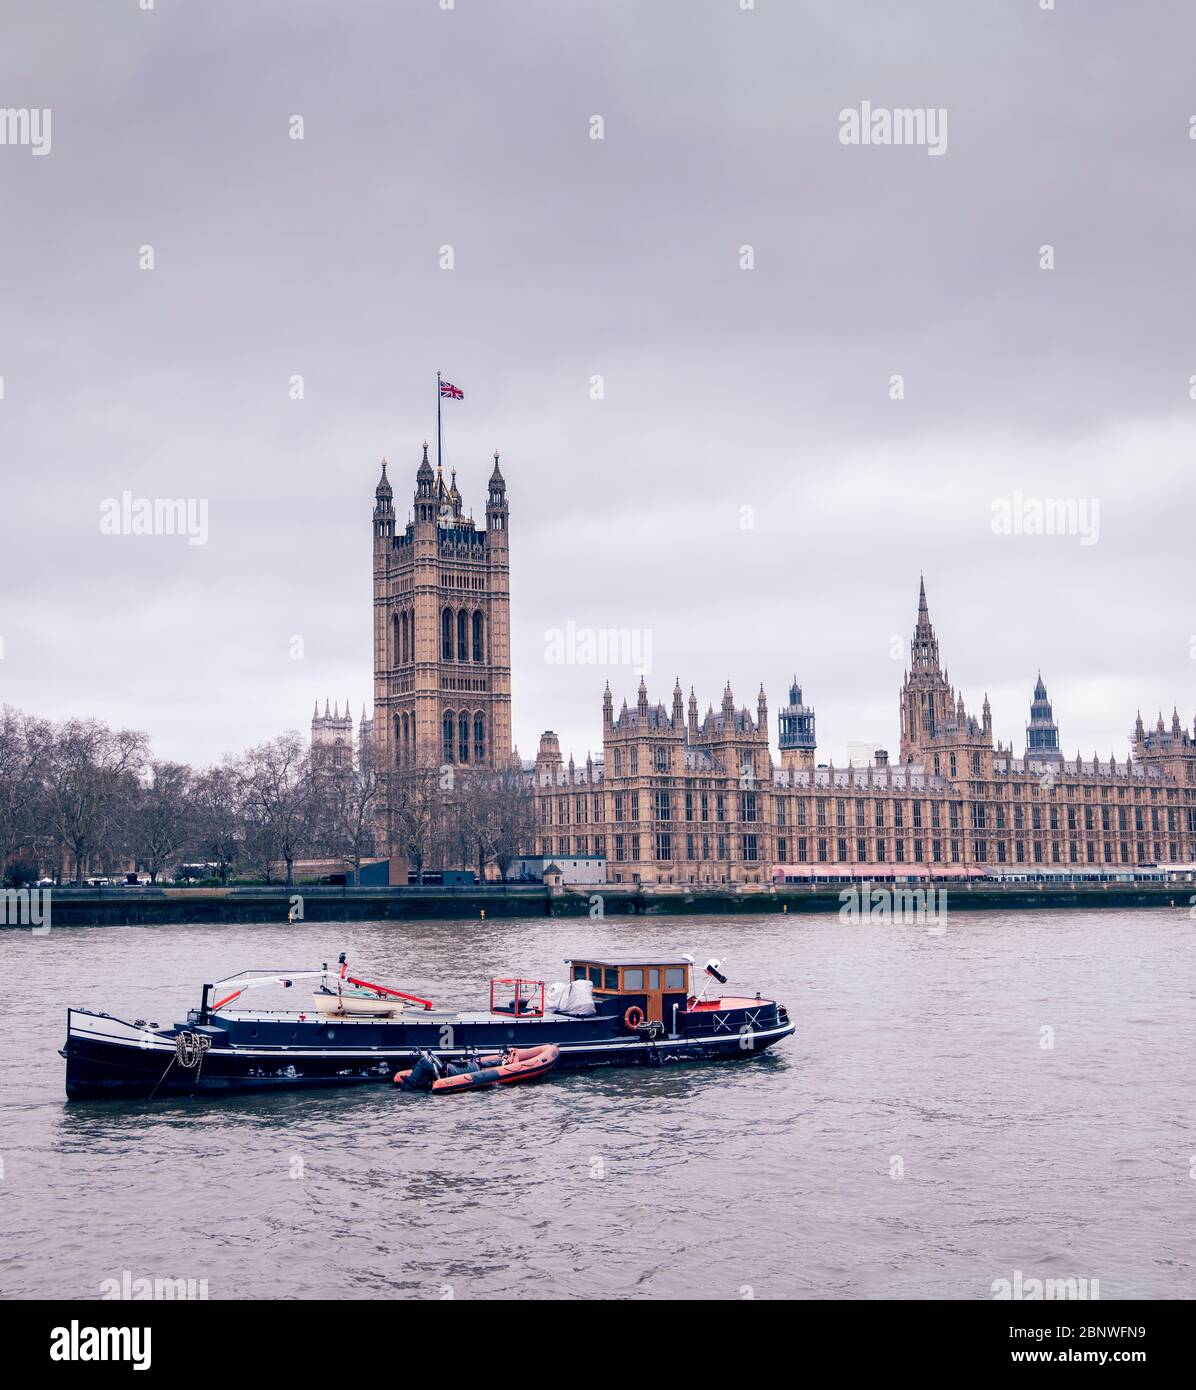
(348, 803)
(498, 811)
(415, 802)
(88, 773)
(279, 801)
(217, 797)
(23, 744)
(164, 820)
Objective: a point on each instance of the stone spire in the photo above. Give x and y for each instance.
(497, 513)
(384, 489)
(384, 512)
(1042, 733)
(924, 649)
(425, 490)
(795, 725)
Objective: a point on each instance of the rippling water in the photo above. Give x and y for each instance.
(915, 1054)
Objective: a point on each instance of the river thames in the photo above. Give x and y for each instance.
(1013, 1093)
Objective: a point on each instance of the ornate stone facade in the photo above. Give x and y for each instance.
(442, 637)
(675, 800)
(331, 739)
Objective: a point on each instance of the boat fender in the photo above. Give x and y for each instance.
(633, 1018)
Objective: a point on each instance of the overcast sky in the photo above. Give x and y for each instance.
(725, 388)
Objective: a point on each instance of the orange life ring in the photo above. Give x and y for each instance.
(633, 1018)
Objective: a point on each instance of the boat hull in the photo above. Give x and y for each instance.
(109, 1058)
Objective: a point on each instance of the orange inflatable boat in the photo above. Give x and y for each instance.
(498, 1069)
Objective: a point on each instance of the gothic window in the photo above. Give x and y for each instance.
(463, 738)
(394, 644)
(408, 637)
(462, 644)
(477, 637)
(447, 733)
(479, 738)
(446, 635)
(398, 744)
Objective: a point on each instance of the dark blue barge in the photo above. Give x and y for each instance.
(611, 1012)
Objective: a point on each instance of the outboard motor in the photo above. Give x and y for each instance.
(425, 1071)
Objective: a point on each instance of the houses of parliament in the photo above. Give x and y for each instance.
(677, 797)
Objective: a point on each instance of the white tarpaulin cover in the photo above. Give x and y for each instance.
(571, 997)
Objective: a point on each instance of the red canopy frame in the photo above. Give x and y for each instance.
(522, 1006)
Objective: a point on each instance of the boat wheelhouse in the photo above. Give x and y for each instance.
(657, 987)
(610, 1011)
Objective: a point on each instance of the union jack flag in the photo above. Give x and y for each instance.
(451, 392)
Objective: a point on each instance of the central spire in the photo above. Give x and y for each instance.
(923, 623)
(924, 649)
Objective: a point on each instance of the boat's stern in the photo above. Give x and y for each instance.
(736, 1023)
(652, 999)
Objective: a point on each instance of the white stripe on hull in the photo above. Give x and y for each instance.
(164, 1045)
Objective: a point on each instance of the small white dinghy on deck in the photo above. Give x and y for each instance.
(361, 998)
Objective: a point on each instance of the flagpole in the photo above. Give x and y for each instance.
(438, 422)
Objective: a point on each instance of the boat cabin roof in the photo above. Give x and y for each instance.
(626, 960)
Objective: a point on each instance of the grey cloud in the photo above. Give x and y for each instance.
(577, 257)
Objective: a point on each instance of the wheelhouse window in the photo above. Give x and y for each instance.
(674, 977)
(633, 979)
